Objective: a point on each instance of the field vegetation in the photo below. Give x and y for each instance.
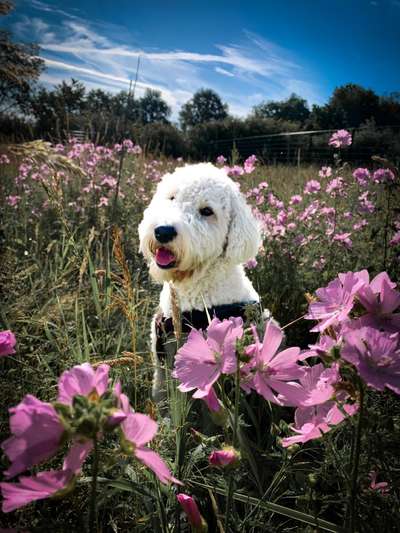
(75, 290)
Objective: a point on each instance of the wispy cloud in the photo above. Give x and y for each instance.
(88, 51)
(224, 72)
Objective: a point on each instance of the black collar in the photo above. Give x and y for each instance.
(198, 319)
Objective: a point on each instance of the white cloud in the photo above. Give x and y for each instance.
(235, 70)
(224, 72)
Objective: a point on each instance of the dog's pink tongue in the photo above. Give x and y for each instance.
(164, 257)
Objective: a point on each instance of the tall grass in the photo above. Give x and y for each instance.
(74, 289)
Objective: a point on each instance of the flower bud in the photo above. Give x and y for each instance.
(115, 419)
(228, 456)
(195, 519)
(7, 342)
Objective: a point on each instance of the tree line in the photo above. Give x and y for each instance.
(29, 110)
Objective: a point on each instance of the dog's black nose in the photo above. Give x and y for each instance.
(165, 234)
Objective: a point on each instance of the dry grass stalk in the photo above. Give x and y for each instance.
(85, 261)
(176, 314)
(119, 361)
(127, 302)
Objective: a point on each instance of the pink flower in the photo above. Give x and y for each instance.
(4, 160)
(249, 164)
(376, 356)
(45, 484)
(312, 186)
(82, 380)
(251, 264)
(312, 422)
(13, 201)
(221, 160)
(335, 185)
(395, 240)
(109, 181)
(380, 299)
(366, 206)
(319, 264)
(321, 349)
(36, 434)
(383, 175)
(362, 176)
(138, 430)
(103, 202)
(340, 139)
(325, 172)
(236, 170)
(7, 342)
(192, 512)
(225, 457)
(269, 370)
(334, 301)
(137, 150)
(200, 362)
(382, 487)
(360, 225)
(296, 199)
(344, 238)
(318, 383)
(210, 398)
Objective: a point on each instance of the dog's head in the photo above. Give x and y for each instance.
(197, 215)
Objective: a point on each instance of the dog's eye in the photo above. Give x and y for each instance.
(172, 198)
(206, 211)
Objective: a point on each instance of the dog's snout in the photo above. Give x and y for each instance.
(165, 234)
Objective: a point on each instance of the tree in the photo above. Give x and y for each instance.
(58, 111)
(389, 110)
(20, 68)
(349, 106)
(357, 103)
(294, 109)
(205, 106)
(153, 108)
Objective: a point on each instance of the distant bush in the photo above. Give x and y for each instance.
(159, 138)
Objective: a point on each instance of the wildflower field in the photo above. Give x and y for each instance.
(290, 428)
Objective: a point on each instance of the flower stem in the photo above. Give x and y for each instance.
(356, 463)
(234, 442)
(386, 228)
(93, 492)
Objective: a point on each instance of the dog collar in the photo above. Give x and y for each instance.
(199, 320)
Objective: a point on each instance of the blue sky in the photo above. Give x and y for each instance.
(247, 51)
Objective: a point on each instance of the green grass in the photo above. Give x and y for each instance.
(69, 296)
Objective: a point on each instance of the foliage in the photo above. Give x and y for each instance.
(294, 109)
(20, 68)
(205, 106)
(75, 291)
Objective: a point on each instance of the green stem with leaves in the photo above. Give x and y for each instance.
(356, 462)
(93, 492)
(234, 441)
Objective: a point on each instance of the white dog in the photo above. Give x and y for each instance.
(196, 234)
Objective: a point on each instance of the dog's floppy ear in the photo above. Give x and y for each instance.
(243, 240)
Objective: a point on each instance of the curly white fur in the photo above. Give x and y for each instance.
(209, 250)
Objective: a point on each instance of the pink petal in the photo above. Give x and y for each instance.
(153, 461)
(139, 428)
(76, 456)
(80, 380)
(101, 379)
(286, 358)
(263, 389)
(390, 298)
(272, 340)
(30, 489)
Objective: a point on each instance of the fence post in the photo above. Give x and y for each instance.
(298, 157)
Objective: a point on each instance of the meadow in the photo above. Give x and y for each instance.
(75, 290)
